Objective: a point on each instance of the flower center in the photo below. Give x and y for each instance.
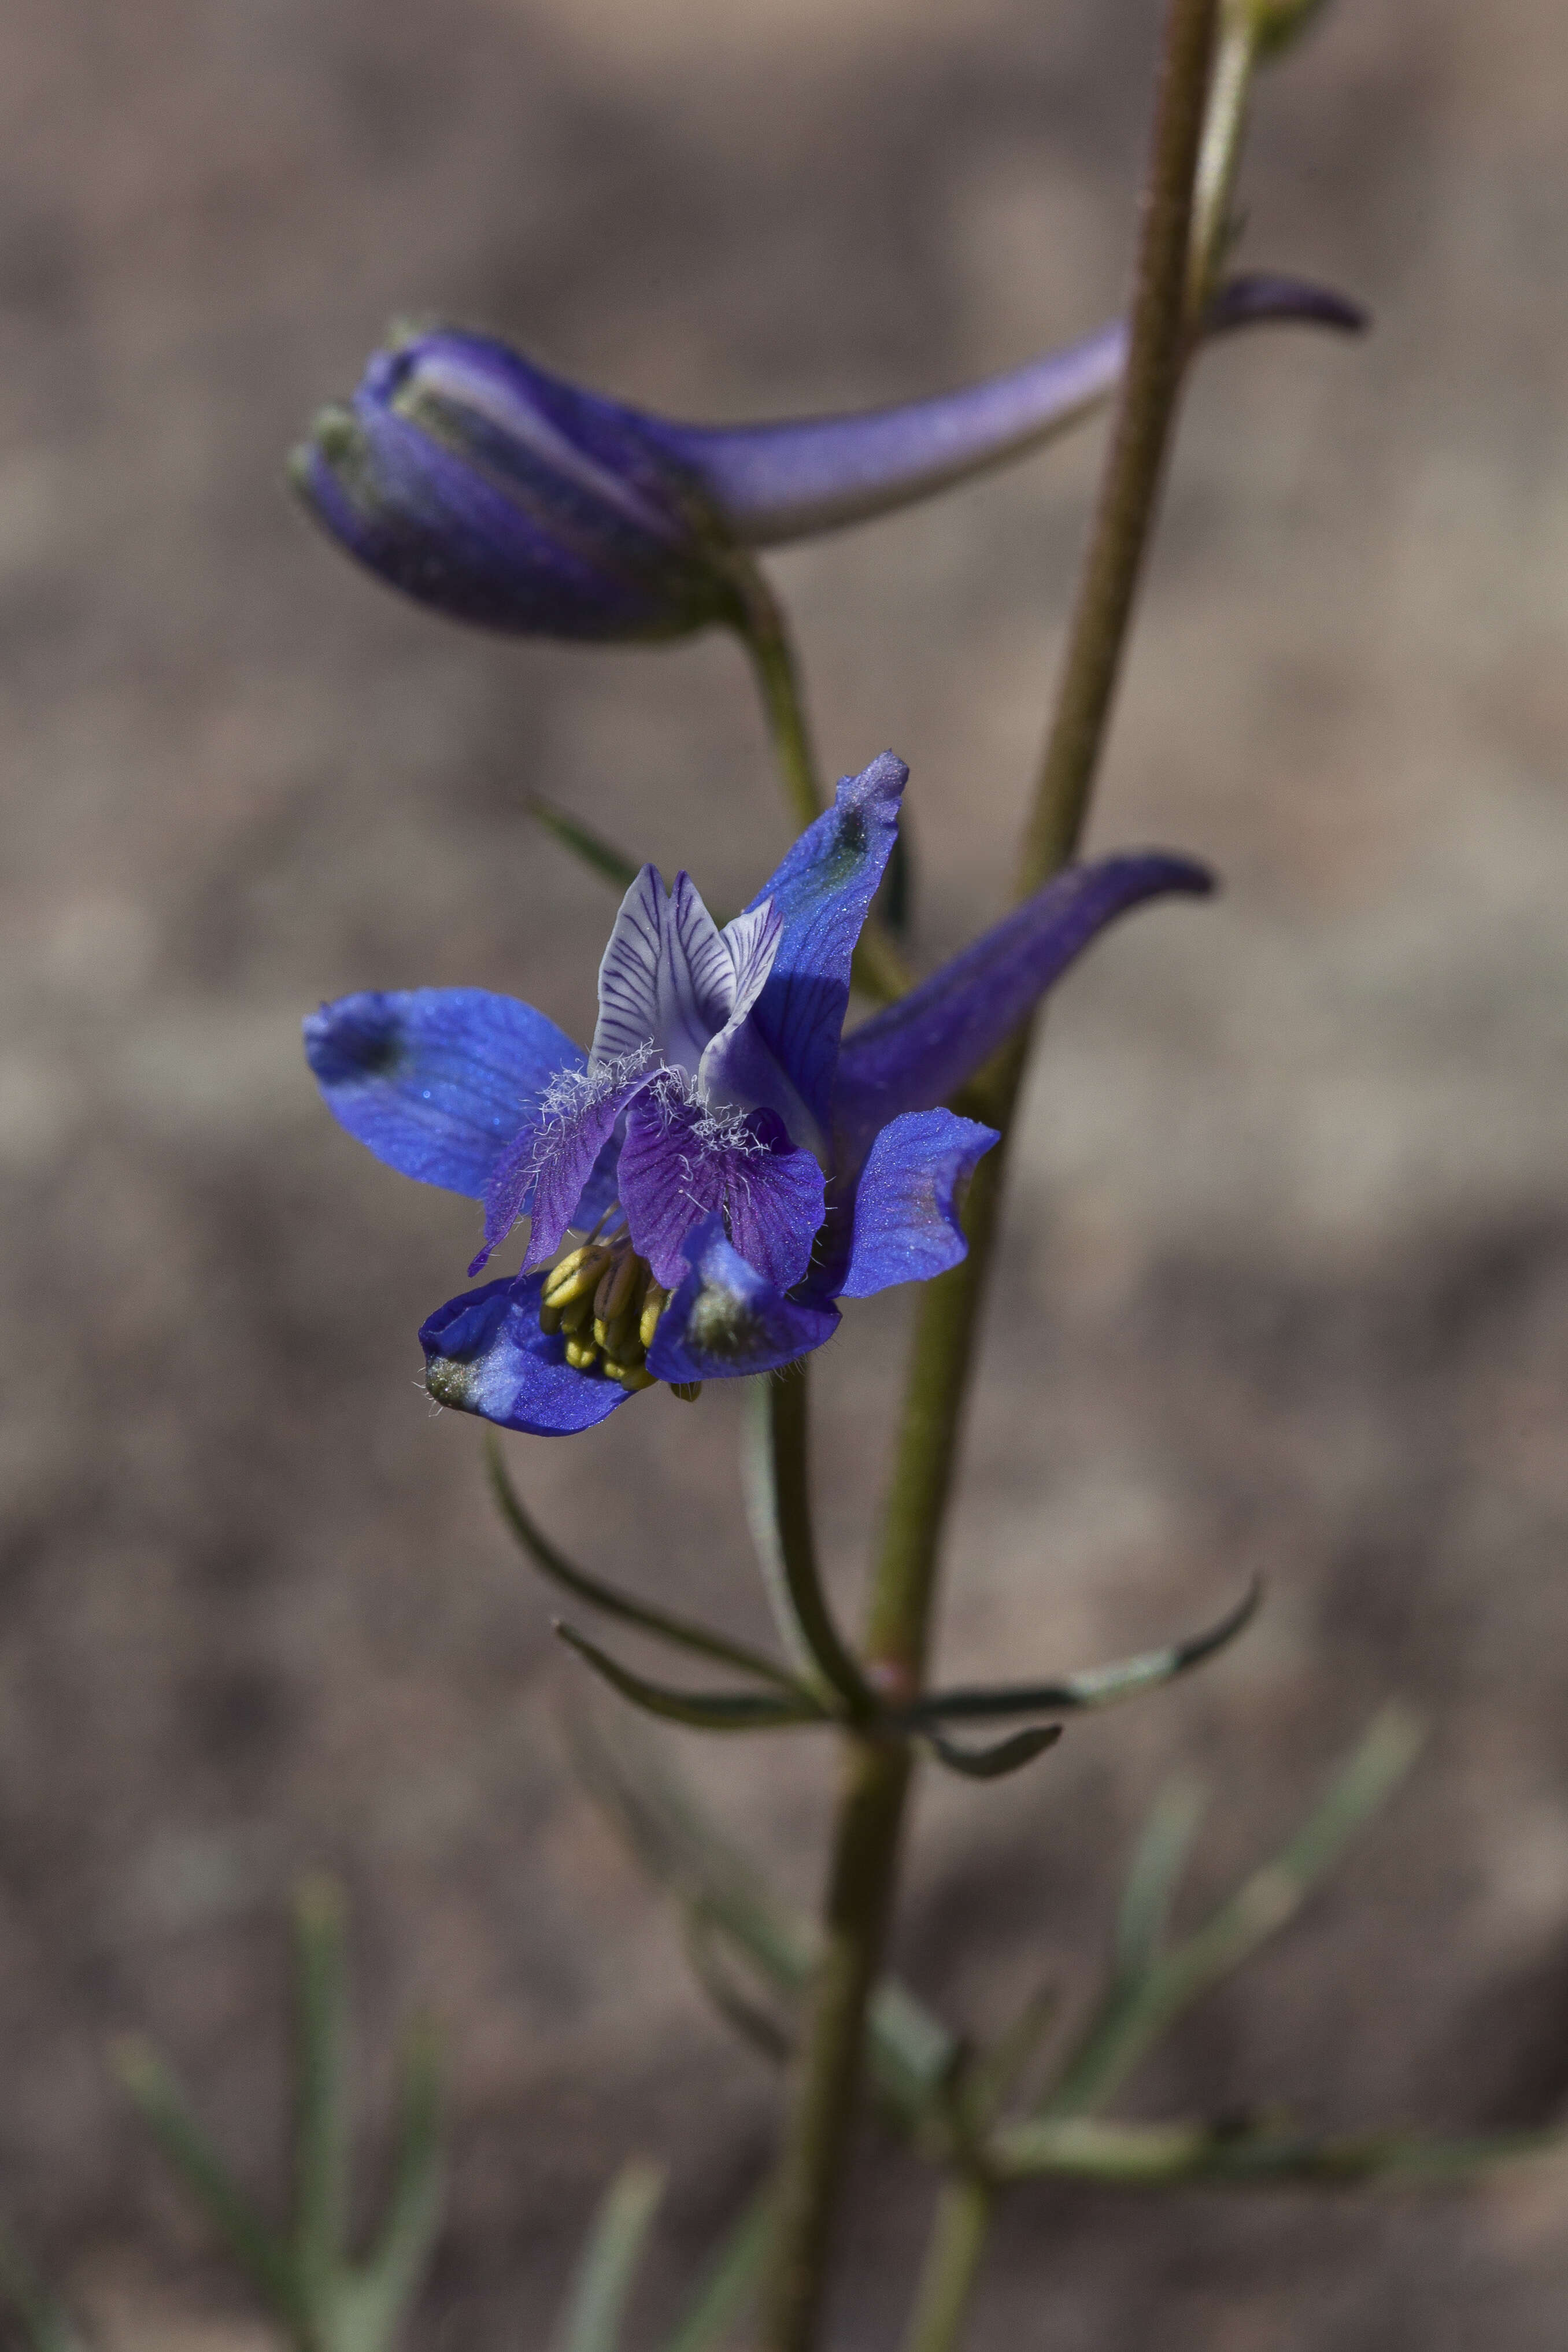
(602, 1297)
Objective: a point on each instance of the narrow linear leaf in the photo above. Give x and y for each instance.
(1136, 2013)
(912, 2052)
(386, 2285)
(597, 2301)
(993, 1763)
(45, 2323)
(614, 1603)
(700, 1710)
(993, 2074)
(1158, 1861)
(709, 1965)
(599, 855)
(257, 2248)
(1154, 2155)
(722, 2293)
(320, 2101)
(1096, 1685)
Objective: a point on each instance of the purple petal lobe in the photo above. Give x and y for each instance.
(436, 1081)
(920, 1050)
(485, 1354)
(678, 1168)
(547, 1171)
(906, 1209)
(726, 1320)
(821, 894)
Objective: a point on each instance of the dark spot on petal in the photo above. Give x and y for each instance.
(450, 1382)
(724, 1326)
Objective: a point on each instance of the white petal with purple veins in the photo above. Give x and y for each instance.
(667, 980)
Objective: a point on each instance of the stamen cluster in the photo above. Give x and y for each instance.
(603, 1299)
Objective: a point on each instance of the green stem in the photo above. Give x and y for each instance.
(779, 1504)
(1135, 463)
(1225, 131)
(877, 1777)
(962, 2225)
(766, 633)
(879, 969)
(874, 1784)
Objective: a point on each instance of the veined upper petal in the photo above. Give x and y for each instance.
(437, 1082)
(822, 894)
(667, 979)
(916, 1052)
(727, 1319)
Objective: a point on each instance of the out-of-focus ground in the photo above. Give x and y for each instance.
(1286, 1281)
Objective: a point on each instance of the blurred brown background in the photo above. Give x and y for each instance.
(1287, 1280)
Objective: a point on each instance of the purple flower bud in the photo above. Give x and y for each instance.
(472, 480)
(476, 482)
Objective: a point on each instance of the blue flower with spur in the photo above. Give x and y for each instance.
(732, 1165)
(472, 480)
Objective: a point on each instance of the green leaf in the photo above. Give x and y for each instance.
(46, 2325)
(592, 2320)
(1096, 1685)
(600, 857)
(700, 1710)
(704, 1949)
(1137, 2010)
(1157, 2156)
(993, 1763)
(614, 1603)
(912, 2052)
(1158, 1861)
(260, 2252)
(320, 2091)
(722, 2293)
(383, 2289)
(991, 2075)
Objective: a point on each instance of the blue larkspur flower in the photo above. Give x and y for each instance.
(737, 1165)
(476, 482)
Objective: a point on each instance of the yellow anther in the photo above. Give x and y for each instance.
(577, 1314)
(630, 1376)
(622, 1339)
(617, 1285)
(653, 1306)
(549, 1319)
(576, 1275)
(686, 1390)
(582, 1355)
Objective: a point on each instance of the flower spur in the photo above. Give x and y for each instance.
(733, 1165)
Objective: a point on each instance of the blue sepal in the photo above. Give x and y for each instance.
(437, 1082)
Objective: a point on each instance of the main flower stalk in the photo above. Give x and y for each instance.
(875, 1792)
